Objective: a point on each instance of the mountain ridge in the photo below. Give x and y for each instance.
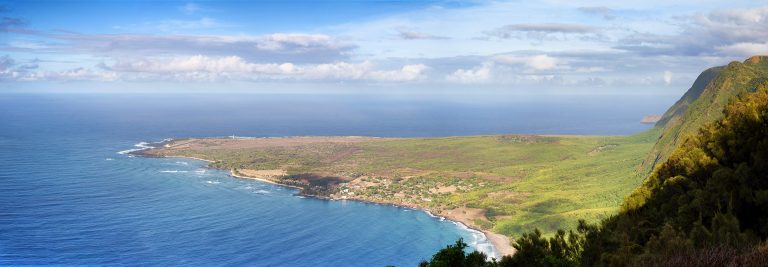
(703, 103)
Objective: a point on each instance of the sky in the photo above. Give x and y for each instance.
(527, 47)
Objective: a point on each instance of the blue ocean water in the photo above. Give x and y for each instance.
(68, 198)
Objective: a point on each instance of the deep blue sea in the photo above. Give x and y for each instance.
(67, 197)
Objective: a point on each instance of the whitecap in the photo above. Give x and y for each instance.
(109, 159)
(212, 182)
(441, 218)
(479, 241)
(142, 145)
(182, 163)
(129, 151)
(139, 146)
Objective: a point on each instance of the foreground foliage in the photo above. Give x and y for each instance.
(712, 191)
(707, 205)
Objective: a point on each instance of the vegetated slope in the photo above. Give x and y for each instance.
(712, 191)
(706, 205)
(703, 103)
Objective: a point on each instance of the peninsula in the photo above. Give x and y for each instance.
(501, 185)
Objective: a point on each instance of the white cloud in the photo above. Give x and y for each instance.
(744, 49)
(415, 35)
(362, 71)
(549, 28)
(406, 73)
(205, 68)
(280, 41)
(725, 32)
(544, 31)
(542, 62)
(535, 42)
(475, 75)
(200, 63)
(667, 77)
(739, 16)
(277, 47)
(536, 63)
(590, 69)
(77, 74)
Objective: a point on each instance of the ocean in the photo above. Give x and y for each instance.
(68, 197)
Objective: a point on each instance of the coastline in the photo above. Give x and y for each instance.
(235, 174)
(182, 157)
(501, 243)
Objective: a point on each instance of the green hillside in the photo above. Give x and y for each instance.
(711, 191)
(705, 204)
(703, 103)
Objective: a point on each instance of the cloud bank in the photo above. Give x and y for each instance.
(499, 43)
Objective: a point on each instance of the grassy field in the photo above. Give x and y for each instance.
(505, 184)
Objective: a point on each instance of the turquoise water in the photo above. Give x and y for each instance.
(68, 197)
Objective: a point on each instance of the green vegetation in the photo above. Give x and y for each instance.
(706, 205)
(703, 103)
(713, 190)
(513, 183)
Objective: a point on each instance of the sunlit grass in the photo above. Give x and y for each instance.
(522, 182)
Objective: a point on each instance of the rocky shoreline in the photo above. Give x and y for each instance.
(501, 243)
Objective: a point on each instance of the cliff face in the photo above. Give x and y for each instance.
(703, 103)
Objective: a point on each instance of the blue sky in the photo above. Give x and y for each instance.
(517, 46)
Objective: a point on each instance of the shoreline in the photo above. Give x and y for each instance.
(500, 243)
(234, 173)
(181, 157)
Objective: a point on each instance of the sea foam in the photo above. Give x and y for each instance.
(143, 146)
(479, 241)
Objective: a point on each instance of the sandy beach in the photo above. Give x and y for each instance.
(467, 216)
(501, 242)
